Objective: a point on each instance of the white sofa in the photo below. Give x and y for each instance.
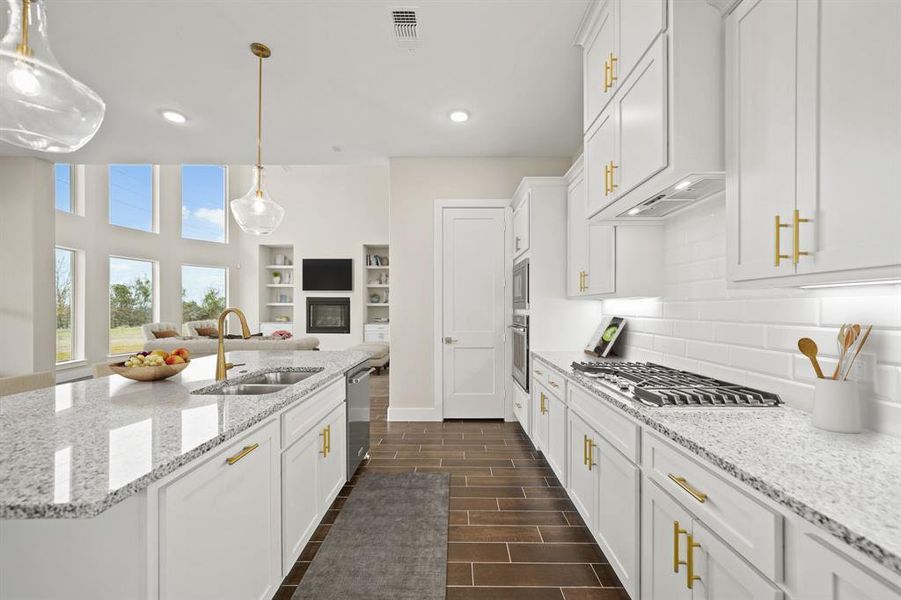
(203, 346)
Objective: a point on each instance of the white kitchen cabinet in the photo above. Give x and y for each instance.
(641, 106)
(814, 140)
(300, 496)
(556, 436)
(539, 417)
(522, 407)
(332, 473)
(576, 235)
(601, 160)
(664, 527)
(599, 47)
(640, 22)
(827, 573)
(582, 480)
(226, 511)
(600, 278)
(521, 225)
(617, 525)
(721, 572)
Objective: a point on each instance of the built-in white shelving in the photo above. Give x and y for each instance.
(376, 326)
(276, 293)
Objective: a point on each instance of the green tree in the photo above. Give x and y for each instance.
(63, 291)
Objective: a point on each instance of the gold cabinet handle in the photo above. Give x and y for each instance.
(690, 576)
(591, 447)
(543, 408)
(613, 77)
(677, 531)
(796, 237)
(244, 452)
(683, 483)
(607, 189)
(777, 255)
(328, 438)
(553, 384)
(613, 186)
(607, 82)
(537, 372)
(585, 450)
(325, 441)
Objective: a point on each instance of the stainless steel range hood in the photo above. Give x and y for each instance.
(689, 190)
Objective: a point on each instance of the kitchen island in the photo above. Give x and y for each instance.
(164, 489)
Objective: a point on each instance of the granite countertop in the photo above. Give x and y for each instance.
(76, 449)
(847, 485)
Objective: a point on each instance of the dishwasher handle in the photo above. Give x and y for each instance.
(360, 378)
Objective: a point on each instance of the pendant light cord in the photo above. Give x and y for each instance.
(23, 48)
(260, 128)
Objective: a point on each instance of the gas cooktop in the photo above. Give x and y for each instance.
(656, 385)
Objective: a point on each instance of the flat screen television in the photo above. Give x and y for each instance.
(328, 274)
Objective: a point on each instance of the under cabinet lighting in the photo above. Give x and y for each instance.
(818, 286)
(459, 116)
(682, 184)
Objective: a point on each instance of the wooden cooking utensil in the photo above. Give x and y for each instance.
(863, 340)
(808, 348)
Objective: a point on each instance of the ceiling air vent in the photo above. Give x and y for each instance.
(406, 27)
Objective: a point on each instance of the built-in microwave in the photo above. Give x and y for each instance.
(521, 285)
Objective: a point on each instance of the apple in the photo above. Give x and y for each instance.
(161, 353)
(174, 359)
(182, 352)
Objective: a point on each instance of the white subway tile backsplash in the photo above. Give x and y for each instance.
(669, 345)
(880, 311)
(749, 335)
(743, 335)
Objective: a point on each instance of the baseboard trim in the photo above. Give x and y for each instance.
(396, 413)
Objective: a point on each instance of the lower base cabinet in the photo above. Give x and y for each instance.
(312, 475)
(226, 512)
(604, 486)
(683, 560)
(826, 573)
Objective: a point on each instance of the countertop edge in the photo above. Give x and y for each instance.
(771, 491)
(89, 510)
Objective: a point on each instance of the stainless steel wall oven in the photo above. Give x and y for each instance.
(520, 371)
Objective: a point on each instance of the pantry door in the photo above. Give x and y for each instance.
(474, 299)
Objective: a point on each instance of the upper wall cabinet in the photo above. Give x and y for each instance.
(653, 105)
(521, 224)
(814, 140)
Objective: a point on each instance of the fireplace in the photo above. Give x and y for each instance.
(328, 315)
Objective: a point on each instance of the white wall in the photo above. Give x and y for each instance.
(330, 212)
(97, 240)
(27, 305)
(750, 336)
(415, 185)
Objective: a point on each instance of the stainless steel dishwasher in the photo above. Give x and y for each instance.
(357, 417)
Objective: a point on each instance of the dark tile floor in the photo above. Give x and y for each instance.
(512, 532)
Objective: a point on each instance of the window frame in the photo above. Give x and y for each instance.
(181, 272)
(154, 296)
(76, 315)
(73, 189)
(225, 201)
(154, 198)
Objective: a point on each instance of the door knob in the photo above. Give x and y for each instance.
(449, 340)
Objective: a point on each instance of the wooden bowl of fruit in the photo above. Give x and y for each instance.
(153, 366)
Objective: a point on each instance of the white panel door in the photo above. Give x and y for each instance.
(827, 574)
(600, 152)
(595, 64)
(556, 437)
(473, 259)
(333, 463)
(760, 160)
(664, 532)
(576, 239)
(300, 496)
(617, 526)
(722, 573)
(582, 482)
(849, 134)
(640, 22)
(219, 525)
(641, 110)
(601, 277)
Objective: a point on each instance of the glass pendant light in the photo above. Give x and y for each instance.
(255, 211)
(41, 106)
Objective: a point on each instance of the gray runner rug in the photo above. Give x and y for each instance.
(388, 542)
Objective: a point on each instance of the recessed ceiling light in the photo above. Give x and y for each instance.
(458, 116)
(174, 116)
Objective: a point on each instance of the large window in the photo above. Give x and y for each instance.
(62, 175)
(202, 292)
(65, 304)
(130, 303)
(203, 202)
(131, 196)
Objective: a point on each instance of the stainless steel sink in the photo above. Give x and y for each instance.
(281, 377)
(244, 389)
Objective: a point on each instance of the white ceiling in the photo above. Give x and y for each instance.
(336, 78)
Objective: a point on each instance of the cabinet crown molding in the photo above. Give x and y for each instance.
(589, 19)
